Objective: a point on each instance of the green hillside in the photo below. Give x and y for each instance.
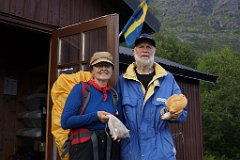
(204, 24)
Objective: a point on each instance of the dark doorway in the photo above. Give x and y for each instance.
(24, 58)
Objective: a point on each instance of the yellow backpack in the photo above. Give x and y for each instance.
(59, 92)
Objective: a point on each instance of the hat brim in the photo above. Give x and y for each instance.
(102, 60)
(151, 41)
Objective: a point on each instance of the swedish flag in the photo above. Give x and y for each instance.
(133, 27)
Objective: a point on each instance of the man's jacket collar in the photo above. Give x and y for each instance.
(159, 72)
(130, 72)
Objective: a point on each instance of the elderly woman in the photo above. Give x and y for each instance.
(87, 122)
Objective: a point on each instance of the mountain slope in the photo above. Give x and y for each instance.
(205, 24)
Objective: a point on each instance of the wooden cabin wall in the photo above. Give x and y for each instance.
(188, 135)
(55, 12)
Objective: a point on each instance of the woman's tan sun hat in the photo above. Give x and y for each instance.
(101, 57)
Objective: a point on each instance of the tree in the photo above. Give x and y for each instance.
(170, 48)
(154, 8)
(220, 104)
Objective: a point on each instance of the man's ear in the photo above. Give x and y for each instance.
(133, 50)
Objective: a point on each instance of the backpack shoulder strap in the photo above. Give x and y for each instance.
(86, 90)
(114, 96)
(85, 96)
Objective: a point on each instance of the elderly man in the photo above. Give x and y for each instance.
(143, 91)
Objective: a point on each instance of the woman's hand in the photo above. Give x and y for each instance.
(103, 116)
(114, 138)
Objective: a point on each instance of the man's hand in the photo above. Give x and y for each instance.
(175, 115)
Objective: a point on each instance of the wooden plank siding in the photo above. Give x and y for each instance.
(188, 135)
(55, 12)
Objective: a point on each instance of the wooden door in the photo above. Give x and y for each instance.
(71, 49)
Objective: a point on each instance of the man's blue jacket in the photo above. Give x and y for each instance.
(150, 137)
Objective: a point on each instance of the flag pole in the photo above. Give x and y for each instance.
(120, 34)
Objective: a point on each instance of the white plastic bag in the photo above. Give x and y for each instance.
(117, 128)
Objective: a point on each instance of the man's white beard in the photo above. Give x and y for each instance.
(142, 62)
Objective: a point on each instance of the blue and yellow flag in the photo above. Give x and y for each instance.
(133, 27)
